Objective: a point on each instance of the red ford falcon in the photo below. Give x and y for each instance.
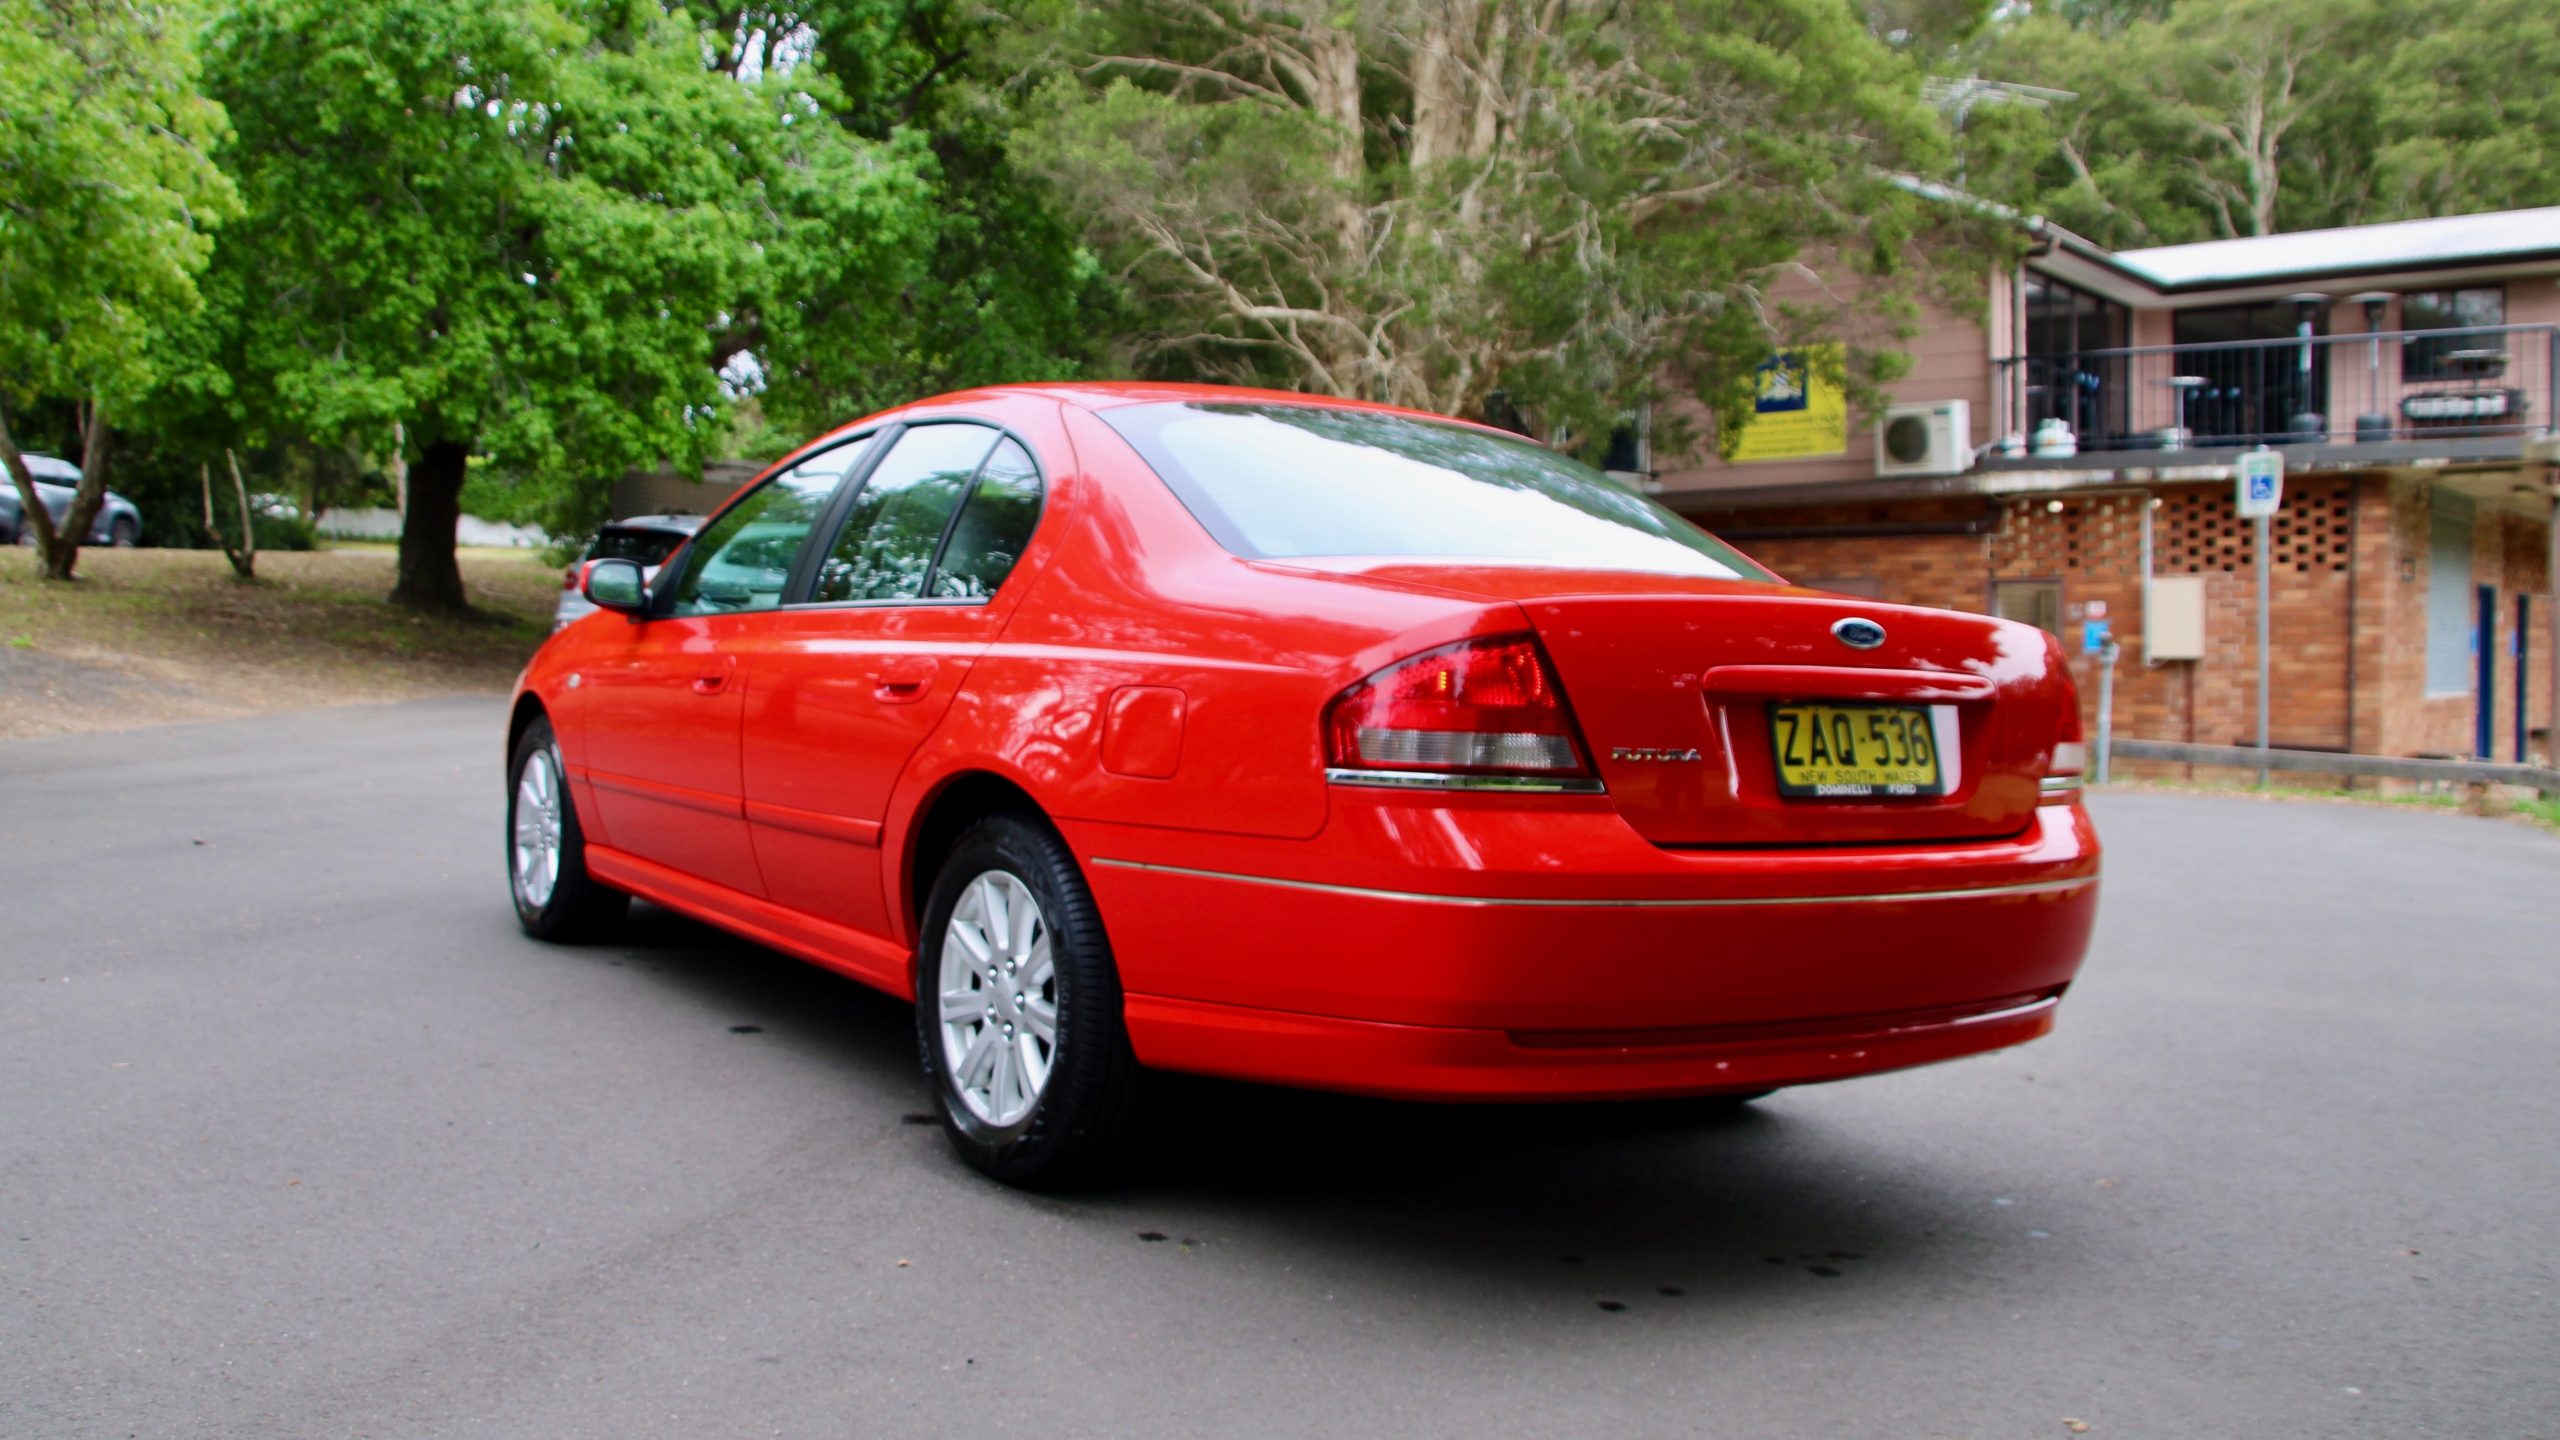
(1144, 727)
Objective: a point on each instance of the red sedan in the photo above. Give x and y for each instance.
(1150, 727)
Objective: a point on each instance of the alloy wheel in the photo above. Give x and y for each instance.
(999, 999)
(536, 851)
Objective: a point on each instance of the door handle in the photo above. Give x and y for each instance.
(904, 681)
(710, 682)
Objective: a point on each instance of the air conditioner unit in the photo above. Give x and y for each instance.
(1935, 438)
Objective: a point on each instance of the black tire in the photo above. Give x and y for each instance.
(124, 534)
(1089, 1118)
(577, 908)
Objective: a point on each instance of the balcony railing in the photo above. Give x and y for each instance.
(2396, 386)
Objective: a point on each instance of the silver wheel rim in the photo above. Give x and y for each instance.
(999, 998)
(535, 850)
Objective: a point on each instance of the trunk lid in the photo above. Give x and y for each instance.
(1674, 682)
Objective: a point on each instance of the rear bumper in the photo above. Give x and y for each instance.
(1420, 1062)
(1458, 948)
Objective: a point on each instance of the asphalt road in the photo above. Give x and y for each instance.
(299, 1137)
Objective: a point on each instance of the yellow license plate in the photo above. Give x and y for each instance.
(1848, 752)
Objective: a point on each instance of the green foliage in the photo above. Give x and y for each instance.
(514, 226)
(107, 189)
(2468, 114)
(907, 254)
(2216, 118)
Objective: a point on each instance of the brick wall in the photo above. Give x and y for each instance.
(2347, 621)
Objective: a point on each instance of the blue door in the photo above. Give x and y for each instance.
(2484, 649)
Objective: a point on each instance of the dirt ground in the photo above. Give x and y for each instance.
(146, 637)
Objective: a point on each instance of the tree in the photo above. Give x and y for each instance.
(985, 281)
(2468, 116)
(518, 232)
(1432, 201)
(107, 191)
(2218, 118)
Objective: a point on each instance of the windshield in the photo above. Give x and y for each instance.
(1282, 481)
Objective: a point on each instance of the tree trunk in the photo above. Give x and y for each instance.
(430, 578)
(62, 547)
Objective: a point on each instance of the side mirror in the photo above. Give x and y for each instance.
(616, 585)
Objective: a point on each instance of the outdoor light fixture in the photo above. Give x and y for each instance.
(2307, 424)
(2375, 423)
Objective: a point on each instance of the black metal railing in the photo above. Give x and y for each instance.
(2400, 385)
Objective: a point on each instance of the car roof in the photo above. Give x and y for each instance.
(51, 470)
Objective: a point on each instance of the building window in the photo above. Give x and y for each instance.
(2037, 602)
(2454, 312)
(2075, 369)
(2252, 390)
(1630, 453)
(2451, 618)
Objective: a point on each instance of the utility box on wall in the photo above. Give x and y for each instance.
(2173, 618)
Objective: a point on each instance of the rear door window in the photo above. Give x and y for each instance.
(895, 526)
(995, 524)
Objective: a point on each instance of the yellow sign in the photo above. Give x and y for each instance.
(1799, 410)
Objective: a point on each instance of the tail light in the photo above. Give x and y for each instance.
(1488, 707)
(569, 577)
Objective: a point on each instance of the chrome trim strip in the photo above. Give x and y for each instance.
(1435, 780)
(2060, 784)
(1984, 892)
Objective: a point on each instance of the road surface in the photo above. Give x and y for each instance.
(302, 1138)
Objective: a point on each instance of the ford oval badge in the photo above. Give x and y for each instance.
(1858, 632)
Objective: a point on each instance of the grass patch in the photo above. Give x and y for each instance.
(182, 638)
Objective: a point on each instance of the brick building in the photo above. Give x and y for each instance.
(2068, 455)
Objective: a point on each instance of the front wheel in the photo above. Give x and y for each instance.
(1018, 1012)
(547, 853)
(124, 534)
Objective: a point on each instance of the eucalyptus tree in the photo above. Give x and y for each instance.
(107, 193)
(1463, 205)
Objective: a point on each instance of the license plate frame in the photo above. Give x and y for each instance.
(1802, 730)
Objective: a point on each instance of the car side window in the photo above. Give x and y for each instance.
(995, 523)
(743, 561)
(896, 523)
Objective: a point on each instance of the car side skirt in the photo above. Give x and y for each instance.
(847, 951)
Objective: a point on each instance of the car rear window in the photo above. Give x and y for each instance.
(1282, 481)
(646, 546)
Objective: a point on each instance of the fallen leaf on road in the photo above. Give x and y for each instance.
(2076, 1427)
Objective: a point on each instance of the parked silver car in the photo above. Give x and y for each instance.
(118, 521)
(648, 539)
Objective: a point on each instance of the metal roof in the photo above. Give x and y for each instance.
(2394, 245)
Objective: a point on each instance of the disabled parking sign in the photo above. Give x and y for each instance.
(2259, 491)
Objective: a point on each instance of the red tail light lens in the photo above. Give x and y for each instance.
(1479, 707)
(569, 577)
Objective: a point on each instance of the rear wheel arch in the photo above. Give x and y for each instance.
(961, 801)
